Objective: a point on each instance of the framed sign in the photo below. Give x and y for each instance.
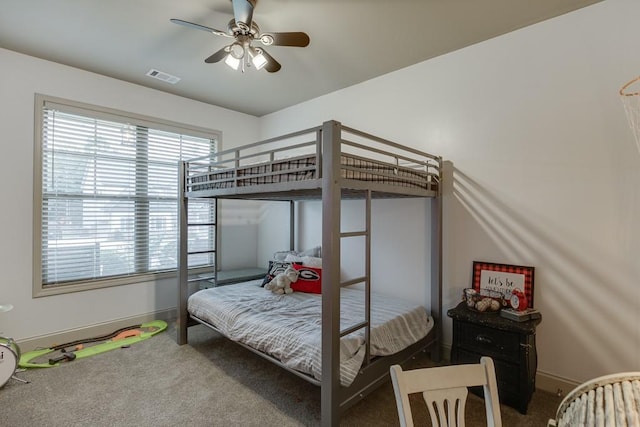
(503, 278)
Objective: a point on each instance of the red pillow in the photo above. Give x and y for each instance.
(309, 280)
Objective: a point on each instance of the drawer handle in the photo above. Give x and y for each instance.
(484, 339)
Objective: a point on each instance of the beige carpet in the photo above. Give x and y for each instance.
(210, 382)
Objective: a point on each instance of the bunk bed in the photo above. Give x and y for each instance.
(330, 162)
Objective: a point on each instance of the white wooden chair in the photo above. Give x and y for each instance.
(445, 392)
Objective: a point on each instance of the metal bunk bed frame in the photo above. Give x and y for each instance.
(329, 185)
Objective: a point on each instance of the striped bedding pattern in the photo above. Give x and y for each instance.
(303, 168)
(288, 327)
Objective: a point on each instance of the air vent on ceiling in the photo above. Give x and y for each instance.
(156, 74)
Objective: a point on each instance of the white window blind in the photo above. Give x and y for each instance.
(109, 194)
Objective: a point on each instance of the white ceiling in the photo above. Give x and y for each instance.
(351, 40)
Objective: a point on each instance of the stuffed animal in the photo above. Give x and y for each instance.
(281, 284)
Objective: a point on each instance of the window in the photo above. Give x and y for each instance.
(107, 195)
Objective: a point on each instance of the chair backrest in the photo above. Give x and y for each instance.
(444, 390)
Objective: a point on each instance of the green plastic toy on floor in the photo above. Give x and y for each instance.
(48, 357)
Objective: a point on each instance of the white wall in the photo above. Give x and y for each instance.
(22, 77)
(239, 233)
(546, 173)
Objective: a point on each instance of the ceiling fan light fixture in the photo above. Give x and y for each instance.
(232, 61)
(236, 49)
(257, 58)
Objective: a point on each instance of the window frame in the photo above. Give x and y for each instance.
(102, 113)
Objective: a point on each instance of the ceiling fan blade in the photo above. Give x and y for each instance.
(199, 27)
(272, 65)
(295, 39)
(243, 11)
(217, 57)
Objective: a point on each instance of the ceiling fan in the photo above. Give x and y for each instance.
(244, 31)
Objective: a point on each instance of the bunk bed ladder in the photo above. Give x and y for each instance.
(331, 241)
(366, 280)
(183, 253)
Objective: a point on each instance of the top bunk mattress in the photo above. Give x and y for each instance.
(303, 168)
(288, 327)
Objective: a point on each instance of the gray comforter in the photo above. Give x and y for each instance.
(288, 327)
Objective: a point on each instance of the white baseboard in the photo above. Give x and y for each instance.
(46, 341)
(554, 384)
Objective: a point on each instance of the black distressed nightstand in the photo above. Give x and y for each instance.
(511, 345)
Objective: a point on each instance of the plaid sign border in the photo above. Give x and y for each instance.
(479, 266)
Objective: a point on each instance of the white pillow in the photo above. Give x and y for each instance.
(312, 261)
(313, 252)
(280, 256)
(309, 261)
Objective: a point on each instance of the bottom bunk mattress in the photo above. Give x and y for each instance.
(288, 327)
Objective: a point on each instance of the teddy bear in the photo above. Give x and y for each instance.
(281, 283)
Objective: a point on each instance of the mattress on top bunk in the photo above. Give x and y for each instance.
(303, 168)
(288, 327)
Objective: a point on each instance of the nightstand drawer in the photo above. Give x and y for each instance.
(491, 342)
